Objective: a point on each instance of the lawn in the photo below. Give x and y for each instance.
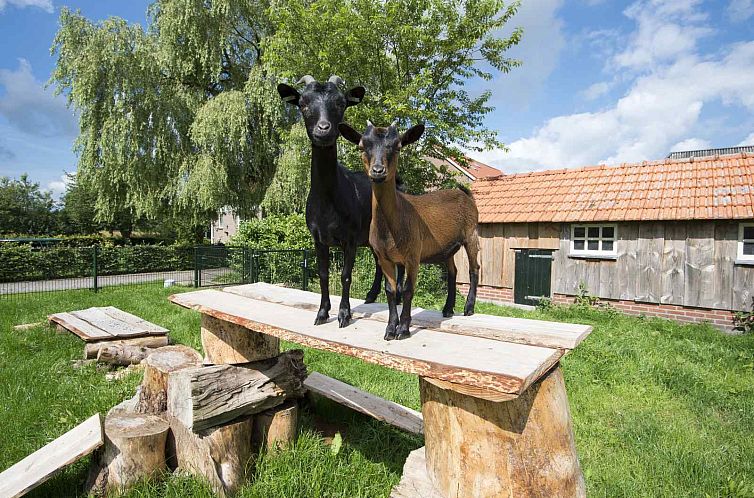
(659, 409)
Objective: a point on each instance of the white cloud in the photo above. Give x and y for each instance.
(748, 140)
(740, 10)
(691, 144)
(57, 187)
(596, 90)
(661, 107)
(31, 109)
(45, 5)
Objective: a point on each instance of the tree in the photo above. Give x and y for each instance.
(25, 209)
(182, 118)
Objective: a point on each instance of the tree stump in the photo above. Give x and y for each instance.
(91, 349)
(276, 427)
(134, 450)
(220, 455)
(123, 355)
(477, 448)
(228, 343)
(157, 367)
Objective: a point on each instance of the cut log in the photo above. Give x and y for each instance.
(122, 355)
(47, 461)
(157, 368)
(227, 343)
(219, 455)
(366, 403)
(27, 326)
(277, 427)
(415, 482)
(92, 348)
(209, 396)
(134, 450)
(523, 447)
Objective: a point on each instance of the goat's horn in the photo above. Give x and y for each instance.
(306, 80)
(369, 124)
(394, 124)
(336, 79)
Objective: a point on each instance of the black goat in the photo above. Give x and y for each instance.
(338, 209)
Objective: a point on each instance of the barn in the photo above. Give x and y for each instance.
(672, 238)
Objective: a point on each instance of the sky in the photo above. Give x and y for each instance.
(602, 82)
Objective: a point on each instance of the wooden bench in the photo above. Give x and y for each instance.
(495, 413)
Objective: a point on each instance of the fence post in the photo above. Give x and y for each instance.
(196, 267)
(94, 268)
(305, 271)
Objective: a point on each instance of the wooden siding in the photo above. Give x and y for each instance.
(689, 263)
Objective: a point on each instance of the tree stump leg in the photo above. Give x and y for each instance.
(134, 450)
(276, 427)
(153, 396)
(228, 343)
(477, 448)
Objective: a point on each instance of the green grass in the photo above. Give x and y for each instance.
(659, 409)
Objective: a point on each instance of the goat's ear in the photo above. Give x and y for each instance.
(355, 95)
(349, 133)
(288, 94)
(412, 135)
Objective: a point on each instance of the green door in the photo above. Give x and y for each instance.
(532, 277)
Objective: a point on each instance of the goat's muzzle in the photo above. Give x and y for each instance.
(377, 173)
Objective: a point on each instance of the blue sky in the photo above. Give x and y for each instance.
(603, 81)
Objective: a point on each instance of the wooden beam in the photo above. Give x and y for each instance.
(486, 363)
(363, 402)
(518, 330)
(81, 328)
(47, 461)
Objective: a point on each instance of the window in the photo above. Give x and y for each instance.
(594, 240)
(746, 242)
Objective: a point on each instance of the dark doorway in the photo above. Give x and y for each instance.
(532, 278)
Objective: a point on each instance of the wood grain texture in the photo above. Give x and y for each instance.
(158, 366)
(415, 481)
(363, 402)
(276, 428)
(122, 354)
(228, 343)
(209, 396)
(126, 317)
(518, 330)
(85, 330)
(649, 260)
(113, 326)
(726, 249)
(91, 349)
(44, 463)
(700, 264)
(673, 271)
(501, 366)
(524, 447)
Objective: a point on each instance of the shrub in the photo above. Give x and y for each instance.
(274, 232)
(744, 320)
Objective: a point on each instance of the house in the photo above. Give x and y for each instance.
(465, 173)
(671, 238)
(224, 227)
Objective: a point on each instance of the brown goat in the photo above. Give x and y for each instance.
(413, 229)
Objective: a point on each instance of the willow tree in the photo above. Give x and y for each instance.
(180, 118)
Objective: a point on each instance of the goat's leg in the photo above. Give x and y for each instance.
(450, 302)
(323, 268)
(401, 274)
(374, 291)
(472, 251)
(388, 268)
(344, 311)
(402, 332)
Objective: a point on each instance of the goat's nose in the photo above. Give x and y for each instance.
(378, 169)
(324, 126)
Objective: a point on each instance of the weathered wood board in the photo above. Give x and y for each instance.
(518, 330)
(498, 366)
(47, 461)
(105, 324)
(363, 402)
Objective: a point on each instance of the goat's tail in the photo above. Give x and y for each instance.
(465, 190)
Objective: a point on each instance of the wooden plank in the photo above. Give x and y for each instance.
(743, 287)
(700, 264)
(126, 317)
(495, 278)
(673, 269)
(726, 251)
(628, 234)
(486, 249)
(112, 326)
(363, 402)
(81, 328)
(518, 330)
(487, 363)
(47, 461)
(649, 261)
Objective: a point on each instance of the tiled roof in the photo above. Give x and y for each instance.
(720, 187)
(473, 168)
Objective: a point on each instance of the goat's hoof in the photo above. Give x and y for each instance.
(322, 317)
(370, 298)
(447, 313)
(344, 318)
(390, 333)
(468, 312)
(402, 332)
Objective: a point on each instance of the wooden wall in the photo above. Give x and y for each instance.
(684, 263)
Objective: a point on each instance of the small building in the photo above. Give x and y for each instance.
(671, 238)
(466, 173)
(224, 227)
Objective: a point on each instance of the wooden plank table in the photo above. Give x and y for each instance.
(106, 324)
(495, 413)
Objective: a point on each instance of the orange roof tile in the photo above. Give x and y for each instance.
(717, 187)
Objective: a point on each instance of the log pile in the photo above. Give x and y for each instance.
(203, 417)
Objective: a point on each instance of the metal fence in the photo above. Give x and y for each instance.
(25, 270)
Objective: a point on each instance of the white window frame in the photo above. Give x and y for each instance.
(598, 253)
(741, 256)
